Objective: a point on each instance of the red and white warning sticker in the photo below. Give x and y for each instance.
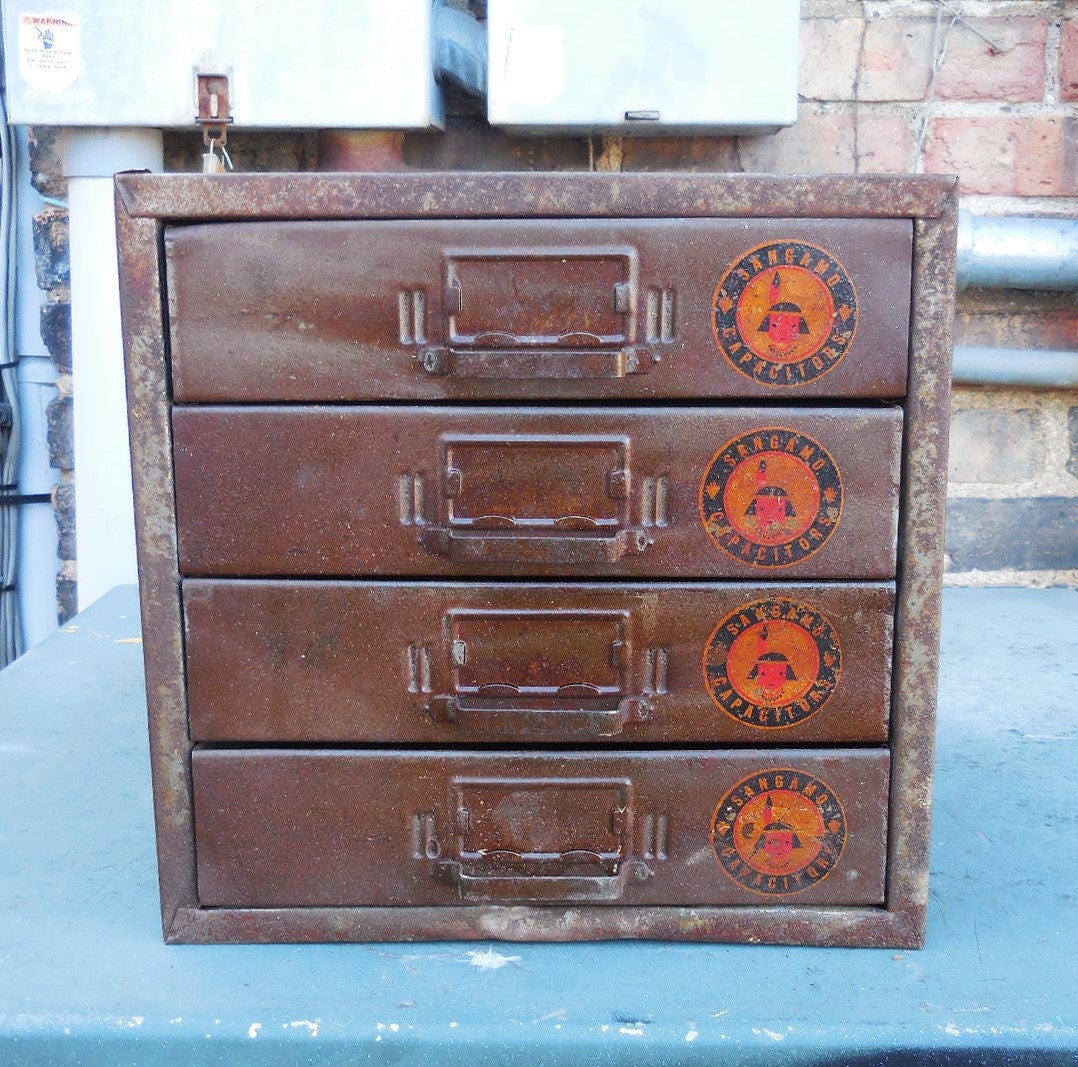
(50, 52)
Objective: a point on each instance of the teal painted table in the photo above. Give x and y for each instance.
(85, 977)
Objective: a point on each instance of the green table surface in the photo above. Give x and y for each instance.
(85, 977)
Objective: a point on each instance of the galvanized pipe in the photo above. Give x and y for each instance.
(1016, 252)
(1026, 368)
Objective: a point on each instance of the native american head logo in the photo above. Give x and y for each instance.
(772, 663)
(785, 314)
(771, 497)
(779, 831)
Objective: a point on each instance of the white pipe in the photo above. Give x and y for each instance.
(104, 514)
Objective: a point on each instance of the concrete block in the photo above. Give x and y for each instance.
(1026, 535)
(994, 446)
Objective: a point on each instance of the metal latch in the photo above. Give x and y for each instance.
(214, 117)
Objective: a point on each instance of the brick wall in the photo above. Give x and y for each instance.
(987, 89)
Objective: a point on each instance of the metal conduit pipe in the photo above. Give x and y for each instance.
(1015, 252)
(1015, 366)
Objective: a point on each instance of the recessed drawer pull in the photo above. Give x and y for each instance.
(578, 720)
(557, 888)
(574, 548)
(539, 839)
(522, 364)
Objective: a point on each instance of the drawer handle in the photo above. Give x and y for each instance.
(540, 839)
(594, 718)
(533, 887)
(523, 364)
(563, 548)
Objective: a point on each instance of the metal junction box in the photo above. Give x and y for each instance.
(540, 557)
(322, 64)
(690, 66)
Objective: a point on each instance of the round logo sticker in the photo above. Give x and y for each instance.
(771, 497)
(772, 663)
(785, 314)
(779, 832)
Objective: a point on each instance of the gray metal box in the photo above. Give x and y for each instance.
(679, 65)
(323, 64)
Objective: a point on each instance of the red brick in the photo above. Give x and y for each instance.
(832, 143)
(829, 53)
(972, 71)
(1005, 156)
(817, 144)
(679, 153)
(884, 144)
(1068, 61)
(897, 61)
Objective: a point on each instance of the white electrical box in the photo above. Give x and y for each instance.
(321, 63)
(669, 66)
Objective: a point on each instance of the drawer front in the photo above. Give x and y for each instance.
(277, 661)
(648, 492)
(428, 310)
(333, 827)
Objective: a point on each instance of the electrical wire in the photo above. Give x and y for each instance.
(10, 629)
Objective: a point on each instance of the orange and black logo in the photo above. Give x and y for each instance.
(771, 498)
(785, 314)
(772, 663)
(779, 832)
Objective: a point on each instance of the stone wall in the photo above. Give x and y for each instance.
(52, 262)
(984, 88)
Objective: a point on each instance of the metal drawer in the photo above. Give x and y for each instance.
(450, 663)
(645, 492)
(485, 309)
(338, 827)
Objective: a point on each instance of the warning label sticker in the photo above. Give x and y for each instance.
(49, 51)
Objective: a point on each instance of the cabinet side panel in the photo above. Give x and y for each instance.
(920, 575)
(155, 527)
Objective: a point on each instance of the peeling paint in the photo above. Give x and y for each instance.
(252, 1030)
(489, 960)
(762, 1031)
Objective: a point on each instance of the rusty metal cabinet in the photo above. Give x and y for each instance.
(546, 557)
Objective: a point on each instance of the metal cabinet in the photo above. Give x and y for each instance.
(545, 557)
